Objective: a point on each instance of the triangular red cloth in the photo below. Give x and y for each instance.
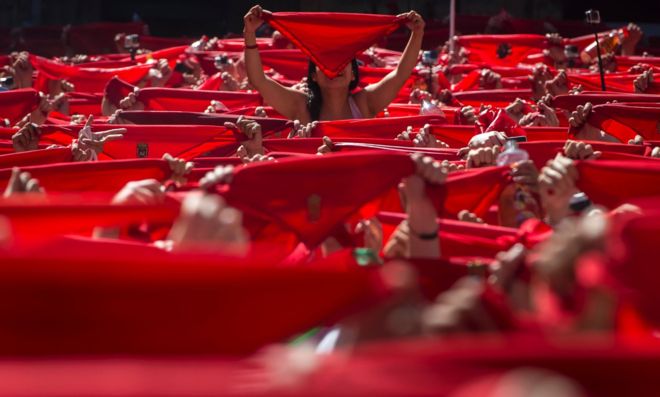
(194, 100)
(504, 123)
(331, 40)
(570, 102)
(60, 217)
(634, 241)
(312, 195)
(506, 50)
(105, 296)
(149, 141)
(16, 104)
(496, 98)
(100, 176)
(617, 82)
(84, 79)
(35, 157)
(388, 127)
(624, 122)
(165, 117)
(612, 183)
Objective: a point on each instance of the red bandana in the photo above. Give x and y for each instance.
(331, 40)
(16, 104)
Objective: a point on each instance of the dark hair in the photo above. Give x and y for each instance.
(314, 98)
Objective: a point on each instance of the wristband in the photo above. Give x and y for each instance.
(425, 236)
(251, 47)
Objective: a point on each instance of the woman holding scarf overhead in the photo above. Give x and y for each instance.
(330, 98)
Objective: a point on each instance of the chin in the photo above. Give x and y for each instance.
(339, 82)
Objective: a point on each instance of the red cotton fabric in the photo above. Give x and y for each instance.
(85, 79)
(194, 100)
(624, 122)
(331, 40)
(268, 125)
(59, 217)
(571, 102)
(612, 183)
(100, 176)
(106, 296)
(301, 194)
(503, 50)
(16, 104)
(388, 127)
(35, 157)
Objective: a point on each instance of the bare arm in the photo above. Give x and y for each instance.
(381, 94)
(286, 101)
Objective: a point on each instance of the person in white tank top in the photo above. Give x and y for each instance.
(336, 98)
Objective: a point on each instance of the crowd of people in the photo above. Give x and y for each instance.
(324, 215)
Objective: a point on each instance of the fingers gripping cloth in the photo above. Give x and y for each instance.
(331, 40)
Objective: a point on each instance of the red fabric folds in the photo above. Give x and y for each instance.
(388, 127)
(16, 104)
(58, 217)
(85, 79)
(301, 194)
(153, 141)
(113, 297)
(35, 157)
(331, 40)
(496, 98)
(100, 176)
(570, 102)
(268, 125)
(612, 183)
(624, 122)
(194, 100)
(504, 50)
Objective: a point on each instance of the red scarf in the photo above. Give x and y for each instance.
(570, 102)
(100, 176)
(612, 183)
(170, 303)
(85, 79)
(35, 157)
(16, 104)
(504, 50)
(624, 122)
(331, 40)
(301, 194)
(194, 100)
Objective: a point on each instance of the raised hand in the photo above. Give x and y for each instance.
(251, 129)
(27, 138)
(414, 21)
(179, 167)
(219, 175)
(92, 143)
(558, 85)
(146, 192)
(21, 182)
(253, 19)
(483, 156)
(327, 146)
(578, 150)
(556, 187)
(467, 216)
(425, 138)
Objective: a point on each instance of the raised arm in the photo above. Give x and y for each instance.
(381, 94)
(288, 102)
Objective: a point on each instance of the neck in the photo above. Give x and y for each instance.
(335, 104)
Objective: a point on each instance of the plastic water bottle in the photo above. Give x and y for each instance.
(512, 154)
(428, 108)
(524, 203)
